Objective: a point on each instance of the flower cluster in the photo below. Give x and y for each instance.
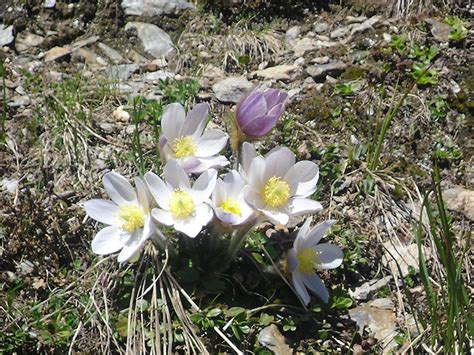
(189, 195)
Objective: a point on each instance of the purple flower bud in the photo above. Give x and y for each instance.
(258, 111)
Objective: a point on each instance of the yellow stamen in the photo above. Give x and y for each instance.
(306, 260)
(132, 216)
(184, 147)
(181, 204)
(276, 192)
(231, 206)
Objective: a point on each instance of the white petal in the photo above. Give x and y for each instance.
(196, 120)
(298, 206)
(158, 189)
(302, 232)
(119, 189)
(255, 173)
(109, 240)
(278, 163)
(234, 184)
(103, 211)
(172, 121)
(190, 227)
(300, 289)
(162, 216)
(276, 217)
(204, 213)
(219, 194)
(253, 197)
(203, 186)
(316, 285)
(211, 143)
(132, 246)
(248, 153)
(302, 178)
(207, 163)
(330, 256)
(175, 175)
(142, 194)
(315, 234)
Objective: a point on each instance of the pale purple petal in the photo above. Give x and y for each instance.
(104, 211)
(207, 163)
(203, 186)
(158, 189)
(302, 178)
(162, 216)
(196, 121)
(132, 246)
(297, 281)
(175, 175)
(299, 206)
(315, 234)
(109, 240)
(292, 260)
(211, 143)
(248, 153)
(278, 163)
(259, 126)
(142, 194)
(330, 256)
(254, 106)
(302, 232)
(276, 217)
(119, 189)
(172, 121)
(316, 285)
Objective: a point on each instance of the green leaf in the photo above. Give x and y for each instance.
(265, 319)
(214, 312)
(341, 302)
(235, 311)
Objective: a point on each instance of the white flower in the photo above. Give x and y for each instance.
(127, 216)
(278, 187)
(228, 200)
(183, 139)
(307, 256)
(181, 205)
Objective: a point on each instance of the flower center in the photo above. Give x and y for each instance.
(184, 147)
(231, 206)
(306, 260)
(132, 216)
(276, 192)
(181, 204)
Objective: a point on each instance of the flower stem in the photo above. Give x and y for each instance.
(239, 238)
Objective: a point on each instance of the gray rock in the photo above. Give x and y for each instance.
(320, 71)
(320, 60)
(367, 289)
(154, 77)
(6, 35)
(320, 27)
(460, 199)
(19, 101)
(122, 71)
(279, 72)
(111, 53)
(340, 32)
(230, 90)
(379, 318)
(401, 258)
(49, 4)
(308, 44)
(366, 25)
(271, 338)
(155, 41)
(292, 34)
(439, 30)
(26, 40)
(355, 19)
(155, 7)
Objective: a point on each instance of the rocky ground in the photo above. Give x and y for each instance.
(81, 78)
